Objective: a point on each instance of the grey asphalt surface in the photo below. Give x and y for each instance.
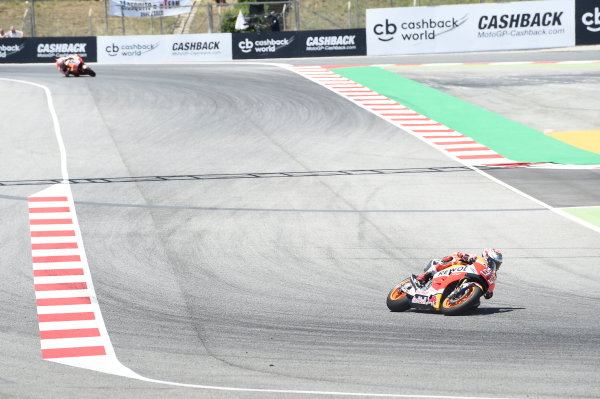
(280, 282)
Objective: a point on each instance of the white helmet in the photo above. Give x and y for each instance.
(493, 257)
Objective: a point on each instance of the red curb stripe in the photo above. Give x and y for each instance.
(367, 99)
(55, 245)
(46, 199)
(56, 233)
(64, 301)
(479, 156)
(411, 119)
(61, 286)
(50, 221)
(454, 142)
(73, 352)
(467, 149)
(50, 210)
(66, 317)
(58, 272)
(401, 107)
(396, 114)
(372, 104)
(365, 95)
(52, 259)
(76, 333)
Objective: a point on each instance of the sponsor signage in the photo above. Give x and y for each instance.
(318, 43)
(47, 49)
(264, 45)
(587, 22)
(149, 8)
(14, 51)
(156, 49)
(471, 27)
(330, 43)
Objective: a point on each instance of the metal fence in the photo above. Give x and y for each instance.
(88, 17)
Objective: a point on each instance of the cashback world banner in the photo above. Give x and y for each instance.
(471, 27)
(149, 8)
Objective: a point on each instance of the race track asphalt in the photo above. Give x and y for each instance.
(274, 281)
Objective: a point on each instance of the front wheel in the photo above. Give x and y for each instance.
(458, 302)
(398, 301)
(89, 71)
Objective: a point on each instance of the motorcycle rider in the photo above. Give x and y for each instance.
(490, 257)
(72, 63)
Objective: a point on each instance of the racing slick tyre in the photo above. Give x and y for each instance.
(90, 72)
(454, 304)
(398, 301)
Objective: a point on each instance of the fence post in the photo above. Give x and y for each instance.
(91, 24)
(32, 18)
(357, 17)
(297, 15)
(209, 15)
(122, 22)
(106, 15)
(349, 17)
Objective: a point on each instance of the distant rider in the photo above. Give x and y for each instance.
(70, 63)
(490, 257)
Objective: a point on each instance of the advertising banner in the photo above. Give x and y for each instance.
(46, 49)
(587, 22)
(331, 43)
(14, 51)
(157, 49)
(149, 8)
(264, 45)
(471, 27)
(316, 43)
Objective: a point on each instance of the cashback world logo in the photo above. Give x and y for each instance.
(416, 30)
(591, 20)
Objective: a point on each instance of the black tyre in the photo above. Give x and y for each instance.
(453, 305)
(90, 72)
(398, 301)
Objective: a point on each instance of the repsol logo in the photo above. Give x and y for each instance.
(63, 48)
(196, 46)
(591, 20)
(315, 41)
(525, 20)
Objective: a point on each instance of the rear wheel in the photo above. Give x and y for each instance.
(398, 301)
(456, 303)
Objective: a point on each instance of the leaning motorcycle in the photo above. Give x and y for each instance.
(74, 65)
(452, 291)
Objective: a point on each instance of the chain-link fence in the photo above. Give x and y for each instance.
(91, 17)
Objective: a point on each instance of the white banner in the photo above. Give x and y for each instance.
(163, 48)
(471, 27)
(149, 8)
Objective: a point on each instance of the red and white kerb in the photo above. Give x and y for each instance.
(72, 330)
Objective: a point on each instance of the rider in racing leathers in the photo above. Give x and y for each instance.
(69, 63)
(490, 257)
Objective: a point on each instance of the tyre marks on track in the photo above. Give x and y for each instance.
(453, 143)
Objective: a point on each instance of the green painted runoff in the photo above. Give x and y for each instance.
(508, 138)
(590, 215)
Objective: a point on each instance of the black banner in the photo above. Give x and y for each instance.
(331, 43)
(47, 49)
(587, 22)
(318, 43)
(14, 51)
(264, 45)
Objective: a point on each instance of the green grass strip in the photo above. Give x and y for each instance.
(590, 215)
(508, 138)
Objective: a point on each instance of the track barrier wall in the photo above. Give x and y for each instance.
(389, 31)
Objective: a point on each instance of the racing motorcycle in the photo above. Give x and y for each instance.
(452, 291)
(73, 64)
